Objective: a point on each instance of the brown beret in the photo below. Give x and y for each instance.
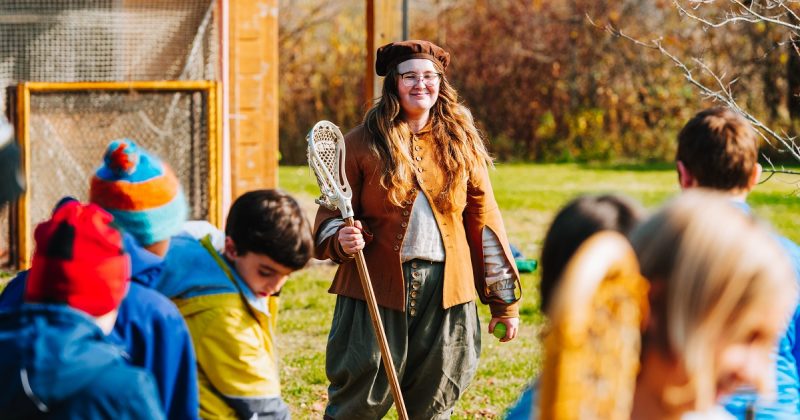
(395, 53)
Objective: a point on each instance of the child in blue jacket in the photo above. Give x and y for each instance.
(55, 358)
(146, 200)
(718, 150)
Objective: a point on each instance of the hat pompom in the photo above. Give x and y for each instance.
(121, 157)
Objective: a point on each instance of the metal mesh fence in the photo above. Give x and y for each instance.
(107, 40)
(70, 130)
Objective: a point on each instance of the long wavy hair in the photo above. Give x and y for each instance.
(719, 270)
(459, 146)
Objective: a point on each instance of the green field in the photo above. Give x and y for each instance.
(529, 195)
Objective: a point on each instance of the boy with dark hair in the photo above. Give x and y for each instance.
(271, 223)
(55, 359)
(230, 302)
(718, 149)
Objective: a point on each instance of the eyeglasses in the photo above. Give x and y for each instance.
(412, 79)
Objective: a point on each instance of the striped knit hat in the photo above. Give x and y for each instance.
(79, 260)
(141, 192)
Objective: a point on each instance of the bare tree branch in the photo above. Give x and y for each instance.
(773, 170)
(722, 94)
(749, 14)
(790, 11)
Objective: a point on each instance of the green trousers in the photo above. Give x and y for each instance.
(435, 351)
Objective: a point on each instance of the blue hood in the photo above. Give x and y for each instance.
(186, 258)
(145, 266)
(49, 353)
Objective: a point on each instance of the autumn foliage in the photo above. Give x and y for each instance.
(544, 80)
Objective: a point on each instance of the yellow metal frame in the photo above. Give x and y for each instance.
(24, 90)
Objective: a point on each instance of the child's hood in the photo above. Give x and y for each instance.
(48, 354)
(146, 267)
(190, 271)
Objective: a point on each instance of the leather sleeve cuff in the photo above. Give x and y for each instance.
(335, 248)
(504, 310)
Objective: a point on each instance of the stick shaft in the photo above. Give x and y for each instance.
(380, 334)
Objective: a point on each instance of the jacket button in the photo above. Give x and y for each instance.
(413, 303)
(396, 248)
(417, 148)
(415, 274)
(412, 311)
(413, 293)
(414, 264)
(419, 158)
(405, 212)
(399, 236)
(404, 224)
(419, 169)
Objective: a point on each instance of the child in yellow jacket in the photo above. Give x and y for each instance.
(230, 301)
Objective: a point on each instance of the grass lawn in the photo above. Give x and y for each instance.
(529, 195)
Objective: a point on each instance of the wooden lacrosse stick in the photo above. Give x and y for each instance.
(326, 154)
(593, 345)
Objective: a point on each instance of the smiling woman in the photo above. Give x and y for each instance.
(431, 233)
(419, 88)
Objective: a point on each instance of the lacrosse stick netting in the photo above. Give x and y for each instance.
(326, 157)
(326, 153)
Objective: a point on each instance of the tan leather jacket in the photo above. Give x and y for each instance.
(385, 225)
